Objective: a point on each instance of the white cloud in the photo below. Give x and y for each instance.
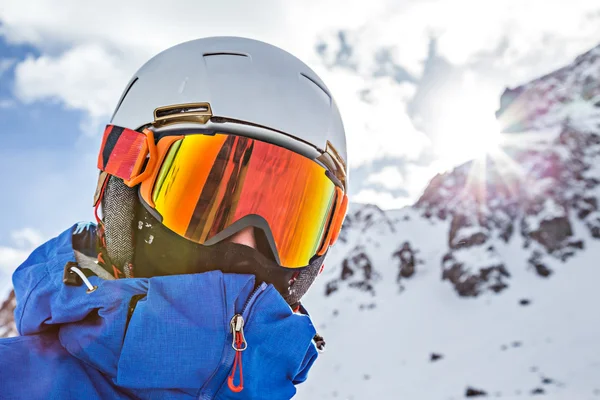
(11, 258)
(379, 128)
(383, 199)
(140, 25)
(389, 177)
(413, 179)
(545, 29)
(27, 238)
(103, 40)
(24, 241)
(418, 176)
(86, 77)
(89, 56)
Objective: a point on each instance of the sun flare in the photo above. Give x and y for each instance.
(467, 130)
(470, 131)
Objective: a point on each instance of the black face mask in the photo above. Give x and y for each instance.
(154, 250)
(159, 251)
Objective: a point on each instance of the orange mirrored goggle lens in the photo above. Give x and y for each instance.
(206, 183)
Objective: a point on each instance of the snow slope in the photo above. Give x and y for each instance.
(381, 332)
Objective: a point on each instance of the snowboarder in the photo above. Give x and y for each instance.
(222, 186)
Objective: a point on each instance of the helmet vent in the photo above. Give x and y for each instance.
(178, 113)
(321, 90)
(227, 63)
(224, 54)
(183, 109)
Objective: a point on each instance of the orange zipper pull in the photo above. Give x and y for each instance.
(239, 344)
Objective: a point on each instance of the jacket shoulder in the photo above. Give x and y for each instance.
(41, 273)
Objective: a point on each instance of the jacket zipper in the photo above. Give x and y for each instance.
(212, 386)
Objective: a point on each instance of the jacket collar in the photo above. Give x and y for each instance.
(173, 328)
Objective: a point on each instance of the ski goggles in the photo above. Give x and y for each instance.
(208, 186)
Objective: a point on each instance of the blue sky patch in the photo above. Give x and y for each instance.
(47, 166)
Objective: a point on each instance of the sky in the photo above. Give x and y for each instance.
(417, 83)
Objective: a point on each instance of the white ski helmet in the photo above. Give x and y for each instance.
(237, 85)
(254, 87)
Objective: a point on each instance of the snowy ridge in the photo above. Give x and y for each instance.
(570, 92)
(528, 192)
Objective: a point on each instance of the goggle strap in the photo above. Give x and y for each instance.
(340, 215)
(123, 152)
(331, 227)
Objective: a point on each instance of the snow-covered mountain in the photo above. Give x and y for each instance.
(487, 286)
(572, 92)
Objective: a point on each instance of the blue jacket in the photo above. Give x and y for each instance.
(159, 338)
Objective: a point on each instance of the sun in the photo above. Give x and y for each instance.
(468, 130)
